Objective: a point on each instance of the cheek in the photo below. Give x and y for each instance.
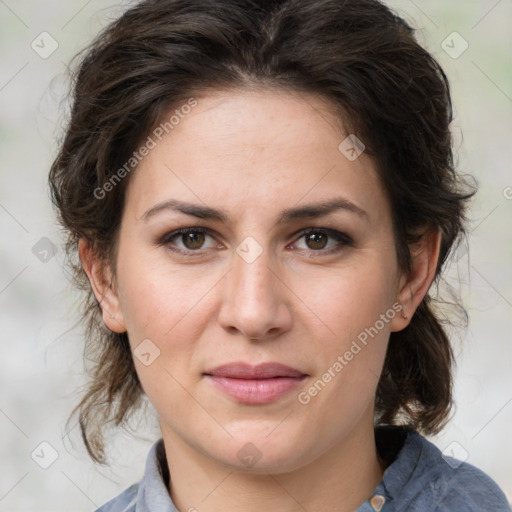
(149, 307)
(353, 309)
(349, 362)
(155, 297)
(171, 309)
(347, 300)
(168, 309)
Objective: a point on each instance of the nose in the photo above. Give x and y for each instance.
(255, 299)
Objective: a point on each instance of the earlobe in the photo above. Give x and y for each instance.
(413, 288)
(100, 276)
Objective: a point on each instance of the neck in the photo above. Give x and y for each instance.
(338, 480)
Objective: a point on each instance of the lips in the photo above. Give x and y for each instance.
(255, 385)
(261, 371)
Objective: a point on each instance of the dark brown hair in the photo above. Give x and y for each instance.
(357, 54)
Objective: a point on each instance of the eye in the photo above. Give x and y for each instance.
(316, 240)
(324, 240)
(188, 240)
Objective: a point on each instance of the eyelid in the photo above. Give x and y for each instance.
(343, 239)
(166, 239)
(328, 231)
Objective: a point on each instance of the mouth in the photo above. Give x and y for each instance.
(261, 384)
(261, 371)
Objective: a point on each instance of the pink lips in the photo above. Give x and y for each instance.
(259, 384)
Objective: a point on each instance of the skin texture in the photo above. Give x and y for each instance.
(254, 154)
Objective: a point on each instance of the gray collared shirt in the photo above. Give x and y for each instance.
(420, 479)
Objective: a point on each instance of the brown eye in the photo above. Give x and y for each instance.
(193, 240)
(189, 240)
(316, 240)
(323, 241)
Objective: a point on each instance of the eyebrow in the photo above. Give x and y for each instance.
(309, 211)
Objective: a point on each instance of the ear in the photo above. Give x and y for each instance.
(100, 276)
(413, 288)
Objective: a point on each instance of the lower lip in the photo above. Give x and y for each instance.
(256, 391)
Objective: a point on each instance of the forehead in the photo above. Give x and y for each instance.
(263, 149)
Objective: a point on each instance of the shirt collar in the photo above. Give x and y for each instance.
(407, 460)
(153, 494)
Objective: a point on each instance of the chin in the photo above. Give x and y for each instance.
(255, 451)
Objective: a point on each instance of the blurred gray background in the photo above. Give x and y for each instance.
(41, 362)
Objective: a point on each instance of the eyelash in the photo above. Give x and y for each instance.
(343, 239)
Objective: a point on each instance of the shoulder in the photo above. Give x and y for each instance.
(462, 486)
(442, 483)
(150, 493)
(124, 502)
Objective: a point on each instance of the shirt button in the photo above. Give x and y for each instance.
(377, 502)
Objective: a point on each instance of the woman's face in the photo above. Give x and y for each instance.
(250, 172)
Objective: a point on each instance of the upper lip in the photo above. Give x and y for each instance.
(242, 370)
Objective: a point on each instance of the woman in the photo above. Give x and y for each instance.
(261, 195)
